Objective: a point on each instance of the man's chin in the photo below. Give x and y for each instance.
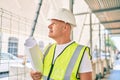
(51, 36)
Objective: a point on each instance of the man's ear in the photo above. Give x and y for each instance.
(66, 27)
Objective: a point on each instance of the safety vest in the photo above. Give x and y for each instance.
(67, 63)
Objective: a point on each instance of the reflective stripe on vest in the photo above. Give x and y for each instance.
(46, 51)
(72, 63)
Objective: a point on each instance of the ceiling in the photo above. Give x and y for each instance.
(108, 12)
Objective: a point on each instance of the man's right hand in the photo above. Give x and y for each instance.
(36, 75)
(30, 42)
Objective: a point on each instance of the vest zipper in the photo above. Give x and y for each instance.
(51, 66)
(50, 72)
(53, 62)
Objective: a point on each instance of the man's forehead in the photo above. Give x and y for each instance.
(55, 20)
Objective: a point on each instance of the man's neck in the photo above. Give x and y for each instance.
(63, 41)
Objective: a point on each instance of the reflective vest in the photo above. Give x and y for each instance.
(67, 63)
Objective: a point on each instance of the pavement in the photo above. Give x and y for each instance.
(106, 77)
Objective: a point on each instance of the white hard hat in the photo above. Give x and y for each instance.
(64, 15)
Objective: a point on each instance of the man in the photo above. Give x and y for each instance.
(65, 59)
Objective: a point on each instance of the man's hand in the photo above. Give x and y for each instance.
(30, 42)
(36, 75)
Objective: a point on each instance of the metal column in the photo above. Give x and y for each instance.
(71, 8)
(100, 74)
(91, 32)
(36, 18)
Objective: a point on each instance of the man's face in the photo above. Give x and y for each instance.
(56, 29)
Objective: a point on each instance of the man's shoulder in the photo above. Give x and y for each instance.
(82, 45)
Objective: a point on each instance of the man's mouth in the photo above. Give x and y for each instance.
(50, 31)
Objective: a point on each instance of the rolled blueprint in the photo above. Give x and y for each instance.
(37, 58)
(35, 54)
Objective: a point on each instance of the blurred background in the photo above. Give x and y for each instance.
(98, 26)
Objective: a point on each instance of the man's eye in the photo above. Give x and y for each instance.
(54, 24)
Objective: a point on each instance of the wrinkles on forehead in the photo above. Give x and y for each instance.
(55, 20)
(60, 21)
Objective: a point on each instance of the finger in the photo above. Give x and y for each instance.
(36, 78)
(36, 75)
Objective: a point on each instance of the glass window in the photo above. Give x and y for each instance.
(13, 45)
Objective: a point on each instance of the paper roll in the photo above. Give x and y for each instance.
(36, 58)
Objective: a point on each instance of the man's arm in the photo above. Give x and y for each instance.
(85, 70)
(85, 76)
